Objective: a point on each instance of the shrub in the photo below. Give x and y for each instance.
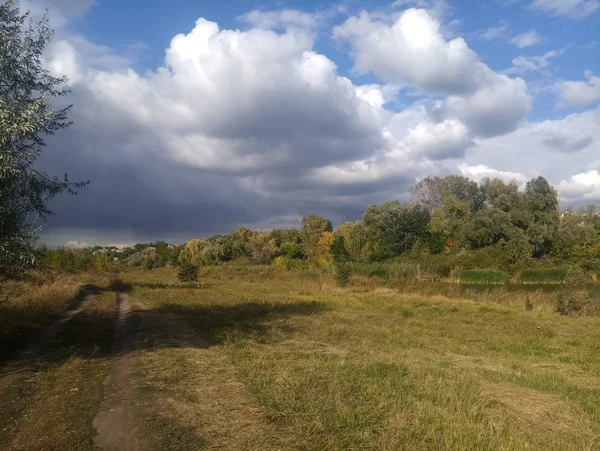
(290, 263)
(554, 275)
(576, 303)
(187, 272)
(483, 277)
(590, 264)
(342, 275)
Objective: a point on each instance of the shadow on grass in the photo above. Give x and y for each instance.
(92, 333)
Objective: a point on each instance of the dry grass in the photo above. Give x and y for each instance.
(262, 359)
(366, 367)
(28, 307)
(51, 406)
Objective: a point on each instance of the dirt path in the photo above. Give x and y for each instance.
(115, 423)
(23, 362)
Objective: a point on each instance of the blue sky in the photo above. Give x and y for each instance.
(266, 111)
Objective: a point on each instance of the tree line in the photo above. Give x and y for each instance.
(493, 224)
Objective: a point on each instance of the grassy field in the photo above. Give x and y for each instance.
(261, 359)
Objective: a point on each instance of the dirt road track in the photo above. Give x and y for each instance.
(115, 423)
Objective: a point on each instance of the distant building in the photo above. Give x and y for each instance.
(566, 213)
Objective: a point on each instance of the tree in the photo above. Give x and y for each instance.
(27, 115)
(541, 200)
(313, 227)
(394, 228)
(432, 191)
(448, 221)
(338, 249)
(263, 248)
(487, 228)
(355, 239)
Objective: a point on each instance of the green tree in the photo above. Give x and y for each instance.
(432, 191)
(355, 239)
(394, 227)
(313, 227)
(541, 200)
(447, 222)
(338, 249)
(487, 228)
(27, 115)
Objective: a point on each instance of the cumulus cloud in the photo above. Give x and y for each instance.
(575, 9)
(585, 185)
(412, 51)
(526, 39)
(578, 93)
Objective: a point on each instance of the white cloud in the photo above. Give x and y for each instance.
(575, 9)
(413, 51)
(480, 171)
(538, 63)
(526, 39)
(578, 93)
(439, 141)
(285, 19)
(76, 245)
(492, 33)
(583, 186)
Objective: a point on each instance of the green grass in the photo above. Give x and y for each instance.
(553, 275)
(483, 277)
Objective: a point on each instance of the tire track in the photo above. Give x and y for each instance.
(116, 425)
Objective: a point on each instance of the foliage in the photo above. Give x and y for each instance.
(483, 277)
(355, 239)
(323, 257)
(290, 263)
(338, 249)
(342, 274)
(448, 221)
(27, 116)
(552, 275)
(432, 192)
(187, 272)
(262, 247)
(291, 249)
(394, 228)
(516, 252)
(312, 228)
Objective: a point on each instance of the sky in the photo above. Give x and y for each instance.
(193, 117)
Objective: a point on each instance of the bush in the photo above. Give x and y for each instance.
(576, 303)
(187, 272)
(554, 275)
(591, 264)
(342, 275)
(290, 263)
(483, 277)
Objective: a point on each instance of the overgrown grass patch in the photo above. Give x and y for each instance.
(551, 275)
(482, 277)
